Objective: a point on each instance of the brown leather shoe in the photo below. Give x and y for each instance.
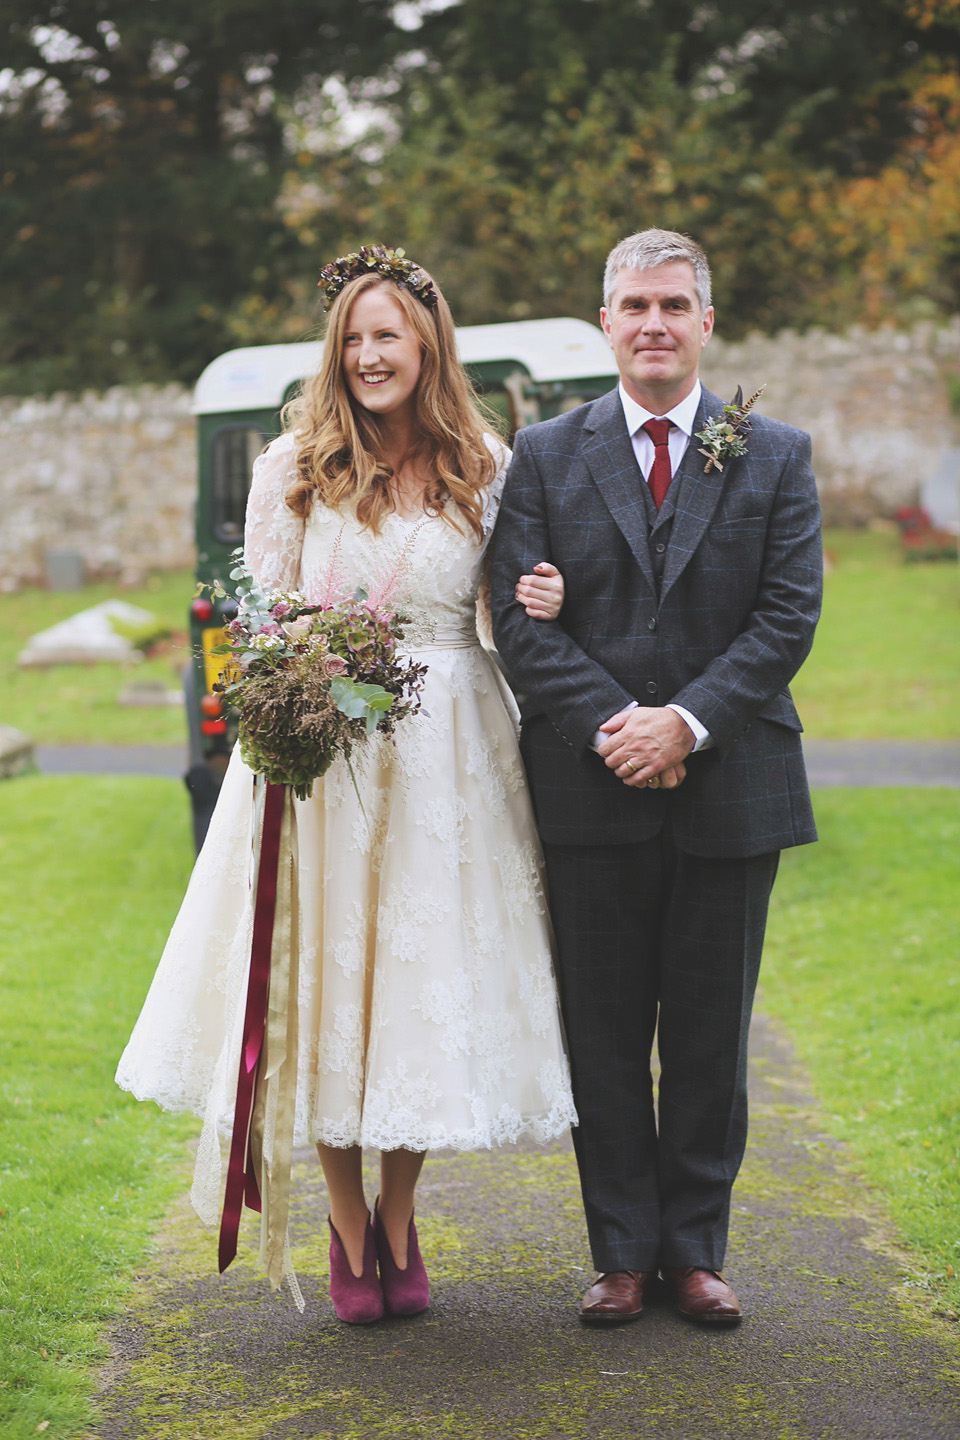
(615, 1297)
(703, 1296)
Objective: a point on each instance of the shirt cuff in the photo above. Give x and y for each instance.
(599, 735)
(702, 736)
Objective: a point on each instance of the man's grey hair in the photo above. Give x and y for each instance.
(649, 248)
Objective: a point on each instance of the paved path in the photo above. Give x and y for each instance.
(827, 1351)
(111, 759)
(882, 762)
(829, 762)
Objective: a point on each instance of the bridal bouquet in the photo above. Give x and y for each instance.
(309, 682)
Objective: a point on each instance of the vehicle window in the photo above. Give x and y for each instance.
(235, 448)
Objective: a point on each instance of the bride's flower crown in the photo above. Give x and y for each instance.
(378, 260)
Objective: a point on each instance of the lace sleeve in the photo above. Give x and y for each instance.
(273, 535)
(495, 493)
(488, 520)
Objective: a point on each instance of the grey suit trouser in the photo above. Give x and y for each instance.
(650, 939)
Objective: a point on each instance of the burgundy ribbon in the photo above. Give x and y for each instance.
(241, 1177)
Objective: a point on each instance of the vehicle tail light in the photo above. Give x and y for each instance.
(213, 727)
(201, 608)
(211, 705)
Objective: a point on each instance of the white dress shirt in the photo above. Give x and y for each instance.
(682, 419)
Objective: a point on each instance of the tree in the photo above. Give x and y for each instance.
(142, 153)
(535, 133)
(173, 174)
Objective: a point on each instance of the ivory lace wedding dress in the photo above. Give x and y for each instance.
(428, 1011)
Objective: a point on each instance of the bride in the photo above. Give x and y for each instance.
(427, 1005)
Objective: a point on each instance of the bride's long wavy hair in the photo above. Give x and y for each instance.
(339, 444)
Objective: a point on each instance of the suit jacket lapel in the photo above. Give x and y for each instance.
(607, 451)
(697, 498)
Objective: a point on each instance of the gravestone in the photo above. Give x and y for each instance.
(940, 494)
(88, 637)
(64, 569)
(16, 752)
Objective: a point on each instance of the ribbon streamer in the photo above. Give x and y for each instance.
(261, 1149)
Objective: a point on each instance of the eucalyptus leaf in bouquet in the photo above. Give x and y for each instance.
(310, 682)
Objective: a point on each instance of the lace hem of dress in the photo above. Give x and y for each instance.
(409, 1132)
(401, 1130)
(176, 1101)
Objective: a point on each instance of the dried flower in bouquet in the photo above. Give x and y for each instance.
(310, 682)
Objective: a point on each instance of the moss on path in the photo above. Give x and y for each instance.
(831, 1348)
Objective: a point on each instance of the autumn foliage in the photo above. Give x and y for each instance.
(174, 176)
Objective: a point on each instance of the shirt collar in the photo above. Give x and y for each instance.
(682, 415)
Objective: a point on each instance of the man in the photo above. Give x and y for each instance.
(663, 753)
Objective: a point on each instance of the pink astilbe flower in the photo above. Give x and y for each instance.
(315, 685)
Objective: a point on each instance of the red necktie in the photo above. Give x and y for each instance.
(660, 476)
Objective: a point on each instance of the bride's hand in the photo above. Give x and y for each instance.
(541, 594)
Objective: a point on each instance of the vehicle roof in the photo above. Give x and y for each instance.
(259, 376)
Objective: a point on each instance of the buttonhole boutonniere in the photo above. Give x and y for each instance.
(725, 437)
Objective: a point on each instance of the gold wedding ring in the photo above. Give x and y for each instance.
(654, 782)
(631, 765)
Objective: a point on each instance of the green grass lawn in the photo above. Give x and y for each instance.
(91, 873)
(77, 704)
(885, 664)
(862, 968)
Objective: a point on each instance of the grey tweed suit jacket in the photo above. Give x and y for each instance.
(721, 632)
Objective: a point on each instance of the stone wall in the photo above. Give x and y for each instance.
(875, 402)
(113, 476)
(110, 476)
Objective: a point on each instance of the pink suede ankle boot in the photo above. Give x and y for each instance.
(358, 1300)
(407, 1291)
